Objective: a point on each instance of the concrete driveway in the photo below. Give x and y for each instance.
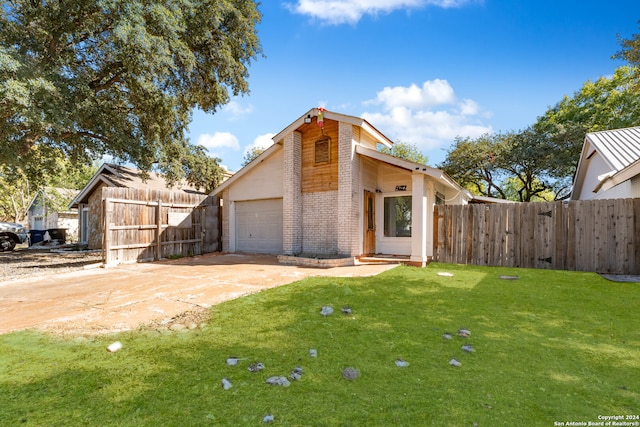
(98, 300)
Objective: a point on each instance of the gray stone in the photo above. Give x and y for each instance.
(313, 352)
(350, 373)
(280, 381)
(326, 310)
(468, 348)
(296, 373)
(226, 384)
(464, 333)
(256, 367)
(401, 363)
(454, 362)
(268, 418)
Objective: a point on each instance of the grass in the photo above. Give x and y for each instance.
(551, 347)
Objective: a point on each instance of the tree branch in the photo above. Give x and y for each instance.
(116, 69)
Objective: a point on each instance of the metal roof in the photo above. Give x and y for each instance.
(619, 147)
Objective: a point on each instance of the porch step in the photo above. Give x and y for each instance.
(386, 259)
(382, 259)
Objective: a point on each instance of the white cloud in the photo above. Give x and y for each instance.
(237, 110)
(219, 140)
(432, 92)
(469, 107)
(429, 116)
(351, 11)
(261, 141)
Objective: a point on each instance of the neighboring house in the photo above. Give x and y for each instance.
(48, 210)
(322, 189)
(609, 166)
(88, 202)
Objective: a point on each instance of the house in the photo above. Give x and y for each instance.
(88, 202)
(609, 166)
(48, 210)
(322, 189)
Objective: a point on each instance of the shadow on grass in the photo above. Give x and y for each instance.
(551, 346)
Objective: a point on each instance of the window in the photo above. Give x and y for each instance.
(439, 198)
(323, 150)
(371, 221)
(397, 216)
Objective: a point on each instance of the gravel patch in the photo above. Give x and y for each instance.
(25, 263)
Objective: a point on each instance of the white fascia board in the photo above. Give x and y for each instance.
(438, 174)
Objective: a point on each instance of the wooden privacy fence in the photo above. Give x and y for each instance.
(601, 236)
(145, 225)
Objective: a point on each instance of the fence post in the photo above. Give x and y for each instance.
(159, 230)
(106, 237)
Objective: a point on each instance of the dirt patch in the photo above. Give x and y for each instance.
(26, 263)
(165, 295)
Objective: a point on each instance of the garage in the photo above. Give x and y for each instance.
(259, 226)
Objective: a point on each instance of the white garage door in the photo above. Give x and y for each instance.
(259, 226)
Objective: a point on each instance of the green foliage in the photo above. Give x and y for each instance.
(17, 191)
(15, 195)
(544, 345)
(405, 150)
(80, 79)
(471, 162)
(538, 163)
(630, 52)
(607, 103)
(250, 155)
(513, 166)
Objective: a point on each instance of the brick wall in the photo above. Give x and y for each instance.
(348, 192)
(225, 220)
(292, 197)
(319, 223)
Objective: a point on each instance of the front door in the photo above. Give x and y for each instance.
(369, 223)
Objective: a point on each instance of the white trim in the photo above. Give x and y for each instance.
(387, 244)
(352, 120)
(618, 178)
(438, 174)
(88, 189)
(419, 224)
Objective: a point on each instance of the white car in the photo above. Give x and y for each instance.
(11, 234)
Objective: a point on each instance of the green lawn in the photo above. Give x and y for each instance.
(550, 347)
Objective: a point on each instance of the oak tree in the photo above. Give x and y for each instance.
(80, 79)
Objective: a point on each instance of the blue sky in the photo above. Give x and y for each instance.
(421, 71)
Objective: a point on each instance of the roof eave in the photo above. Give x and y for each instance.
(355, 121)
(409, 166)
(618, 178)
(88, 189)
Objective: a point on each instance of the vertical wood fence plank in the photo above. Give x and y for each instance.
(627, 234)
(137, 228)
(569, 209)
(595, 235)
(106, 235)
(635, 266)
(158, 239)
